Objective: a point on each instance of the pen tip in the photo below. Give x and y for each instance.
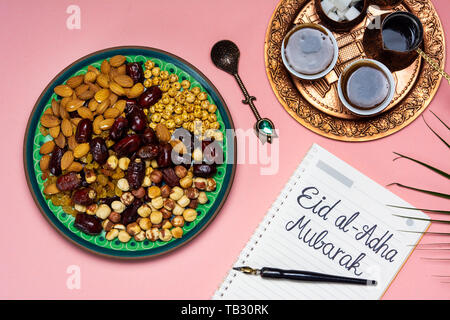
(372, 282)
(237, 268)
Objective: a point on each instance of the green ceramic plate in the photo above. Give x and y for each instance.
(64, 222)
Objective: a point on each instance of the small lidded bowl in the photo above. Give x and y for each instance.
(341, 15)
(309, 51)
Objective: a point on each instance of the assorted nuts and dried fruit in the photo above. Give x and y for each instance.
(133, 151)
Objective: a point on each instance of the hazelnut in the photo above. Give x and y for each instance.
(189, 215)
(156, 217)
(147, 182)
(166, 213)
(192, 193)
(169, 204)
(180, 171)
(197, 155)
(165, 191)
(133, 229)
(103, 211)
(202, 198)
(118, 206)
(79, 207)
(176, 193)
(200, 183)
(144, 211)
(107, 225)
(210, 184)
(112, 234)
(178, 221)
(127, 198)
(112, 163)
(140, 236)
(177, 211)
(124, 236)
(156, 176)
(177, 232)
(154, 192)
(165, 235)
(139, 193)
(123, 163)
(119, 226)
(145, 224)
(183, 201)
(152, 234)
(186, 182)
(193, 204)
(92, 209)
(157, 203)
(166, 224)
(114, 217)
(90, 176)
(123, 184)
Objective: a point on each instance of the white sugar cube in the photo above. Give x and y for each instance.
(333, 16)
(352, 13)
(341, 14)
(342, 5)
(327, 5)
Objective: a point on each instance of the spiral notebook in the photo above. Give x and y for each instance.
(329, 218)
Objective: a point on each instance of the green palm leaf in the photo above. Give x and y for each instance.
(420, 209)
(440, 120)
(433, 193)
(435, 133)
(423, 219)
(438, 171)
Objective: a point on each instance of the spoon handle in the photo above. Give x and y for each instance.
(433, 64)
(248, 98)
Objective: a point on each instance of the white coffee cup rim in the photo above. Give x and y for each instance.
(317, 75)
(372, 111)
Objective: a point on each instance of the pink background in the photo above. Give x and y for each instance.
(36, 45)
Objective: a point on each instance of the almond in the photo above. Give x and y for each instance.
(63, 90)
(55, 107)
(86, 95)
(117, 61)
(54, 131)
(106, 124)
(111, 113)
(49, 112)
(66, 160)
(135, 91)
(75, 121)
(103, 80)
(81, 89)
(120, 105)
(96, 124)
(66, 127)
(94, 87)
(93, 69)
(64, 114)
(47, 147)
(90, 76)
(105, 67)
(72, 143)
(113, 98)
(117, 89)
(60, 141)
(102, 95)
(124, 80)
(102, 107)
(74, 104)
(51, 189)
(122, 69)
(44, 162)
(75, 81)
(162, 132)
(85, 113)
(49, 121)
(75, 167)
(81, 150)
(93, 105)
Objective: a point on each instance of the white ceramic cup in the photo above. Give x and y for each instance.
(373, 111)
(310, 76)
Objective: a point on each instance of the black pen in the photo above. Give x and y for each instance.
(303, 276)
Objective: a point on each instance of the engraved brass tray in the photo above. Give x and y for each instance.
(315, 104)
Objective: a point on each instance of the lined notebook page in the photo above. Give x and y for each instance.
(329, 218)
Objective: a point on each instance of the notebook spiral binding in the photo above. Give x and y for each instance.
(271, 214)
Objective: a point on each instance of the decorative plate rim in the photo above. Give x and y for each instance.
(129, 254)
(347, 137)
